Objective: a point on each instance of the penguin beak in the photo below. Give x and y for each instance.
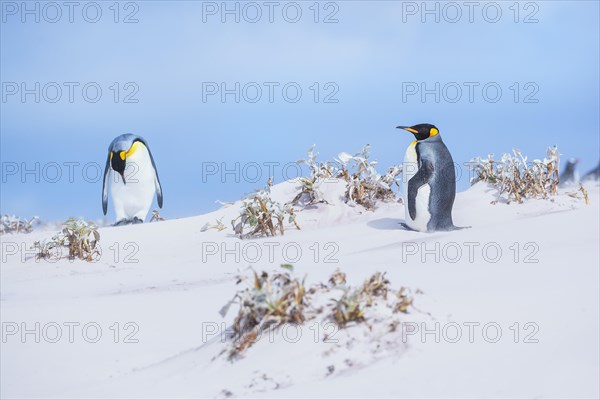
(408, 128)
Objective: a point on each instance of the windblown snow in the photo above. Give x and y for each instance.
(509, 307)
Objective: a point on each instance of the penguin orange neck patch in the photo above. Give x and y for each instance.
(134, 147)
(132, 150)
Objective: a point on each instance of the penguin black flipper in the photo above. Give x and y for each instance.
(159, 193)
(105, 185)
(421, 178)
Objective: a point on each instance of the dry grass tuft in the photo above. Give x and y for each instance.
(268, 302)
(79, 236)
(516, 178)
(262, 216)
(156, 216)
(585, 194)
(364, 185)
(350, 307)
(271, 300)
(218, 225)
(14, 224)
(320, 172)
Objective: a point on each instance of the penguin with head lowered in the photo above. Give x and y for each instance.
(131, 170)
(429, 181)
(569, 176)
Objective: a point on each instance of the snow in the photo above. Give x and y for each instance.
(174, 292)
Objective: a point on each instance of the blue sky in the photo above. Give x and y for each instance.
(371, 56)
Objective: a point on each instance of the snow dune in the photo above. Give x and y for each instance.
(528, 273)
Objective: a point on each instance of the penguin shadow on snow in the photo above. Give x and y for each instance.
(389, 224)
(394, 224)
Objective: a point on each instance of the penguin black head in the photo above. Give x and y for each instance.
(117, 162)
(572, 163)
(120, 149)
(421, 131)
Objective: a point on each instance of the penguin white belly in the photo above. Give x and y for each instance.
(134, 197)
(423, 216)
(410, 168)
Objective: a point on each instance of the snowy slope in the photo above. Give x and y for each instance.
(169, 280)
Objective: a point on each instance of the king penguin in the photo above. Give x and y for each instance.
(569, 176)
(131, 170)
(429, 181)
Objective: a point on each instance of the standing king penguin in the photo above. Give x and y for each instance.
(133, 179)
(429, 181)
(569, 176)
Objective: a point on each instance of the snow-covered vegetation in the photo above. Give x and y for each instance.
(364, 185)
(262, 216)
(80, 237)
(271, 300)
(514, 177)
(14, 224)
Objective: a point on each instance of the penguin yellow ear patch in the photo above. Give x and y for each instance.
(433, 132)
(111, 155)
(126, 154)
(134, 147)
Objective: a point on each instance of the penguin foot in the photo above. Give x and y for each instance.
(126, 221)
(458, 228)
(449, 228)
(406, 227)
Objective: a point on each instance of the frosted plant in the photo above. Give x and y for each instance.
(270, 300)
(388, 181)
(484, 169)
(319, 170)
(156, 216)
(283, 211)
(14, 224)
(350, 307)
(79, 236)
(310, 192)
(364, 185)
(218, 226)
(584, 193)
(262, 216)
(48, 249)
(267, 302)
(514, 176)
